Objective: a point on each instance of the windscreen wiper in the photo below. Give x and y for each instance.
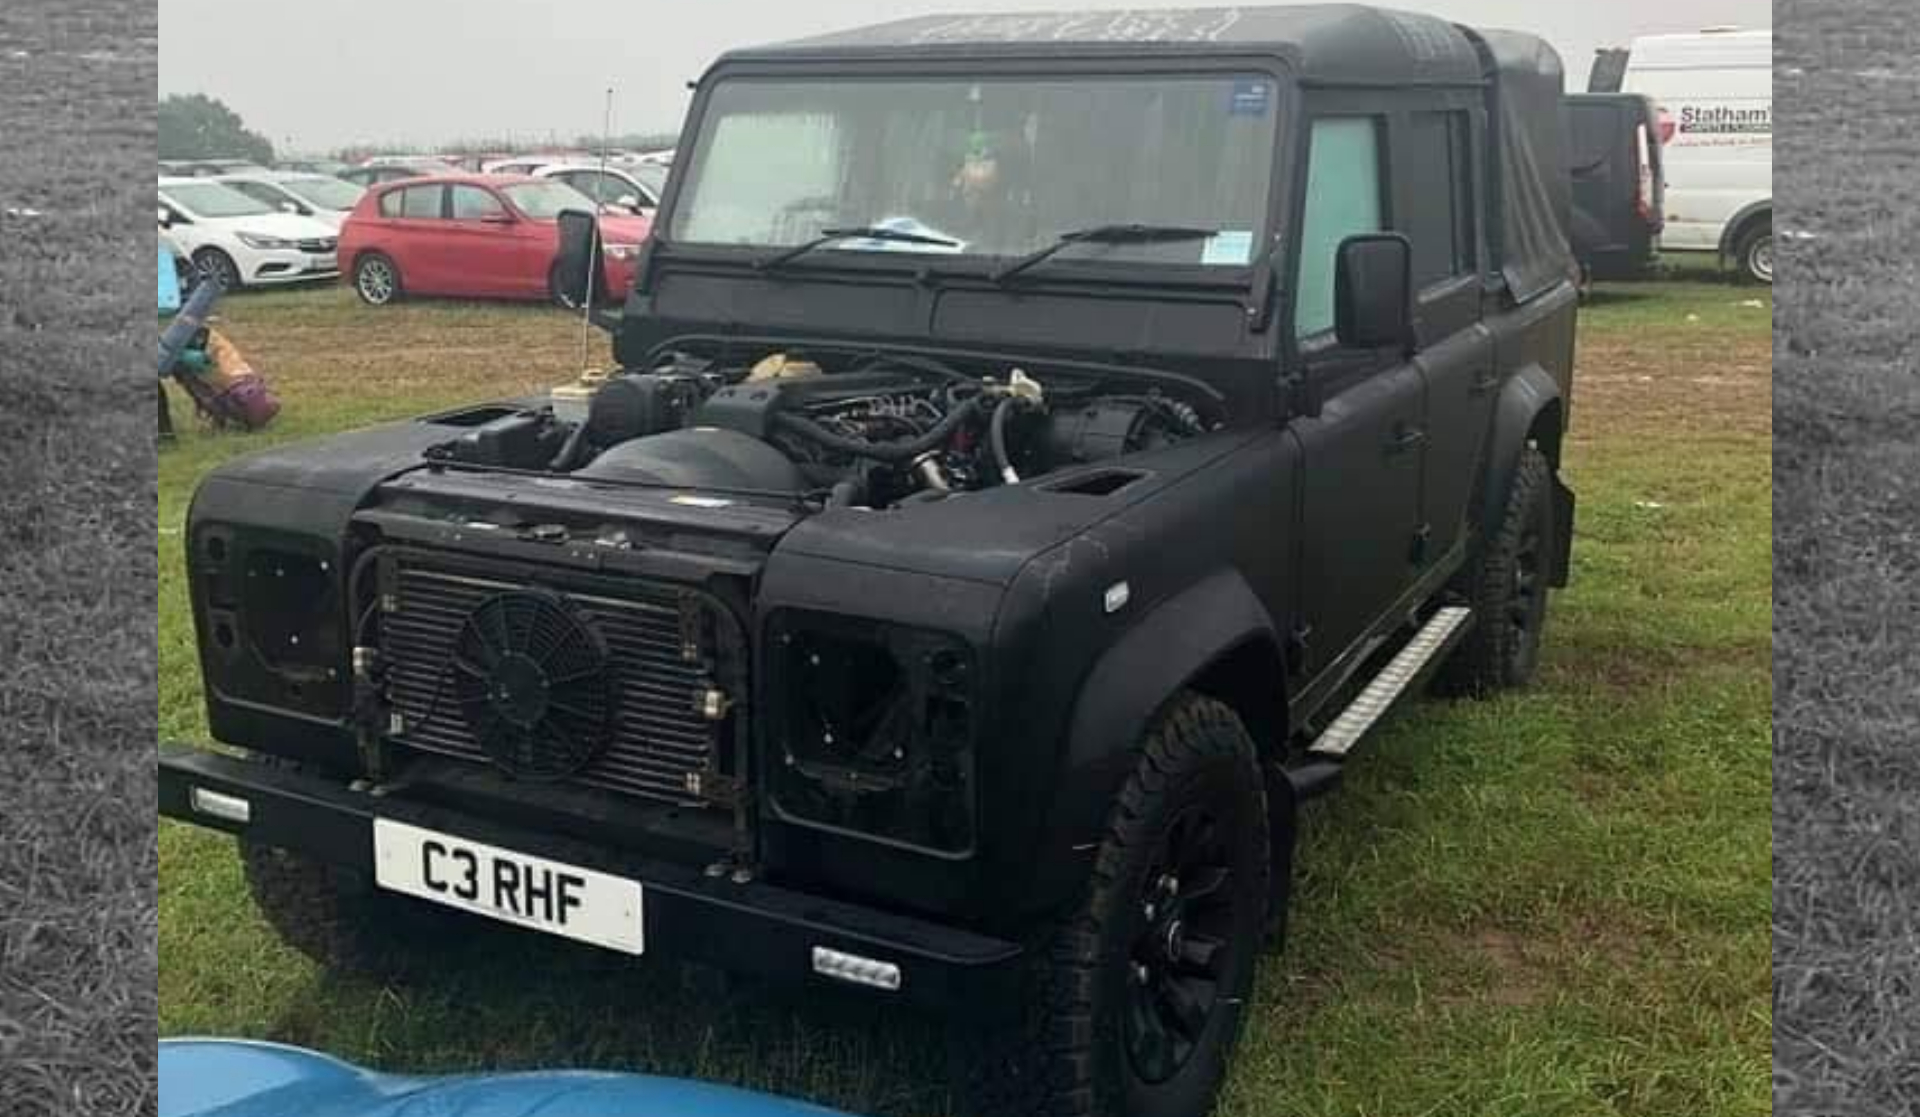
(1103, 234)
(863, 232)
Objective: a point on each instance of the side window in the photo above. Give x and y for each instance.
(601, 188)
(420, 201)
(390, 203)
(471, 203)
(1439, 213)
(265, 195)
(1343, 198)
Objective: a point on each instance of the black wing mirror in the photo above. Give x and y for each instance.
(1373, 292)
(580, 270)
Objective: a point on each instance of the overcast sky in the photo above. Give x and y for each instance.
(321, 74)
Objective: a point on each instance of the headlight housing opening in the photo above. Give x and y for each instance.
(872, 730)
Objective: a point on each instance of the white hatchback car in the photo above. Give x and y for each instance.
(321, 197)
(241, 241)
(613, 187)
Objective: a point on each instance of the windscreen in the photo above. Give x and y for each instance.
(327, 193)
(997, 167)
(543, 201)
(213, 199)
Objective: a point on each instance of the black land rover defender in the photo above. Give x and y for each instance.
(1040, 449)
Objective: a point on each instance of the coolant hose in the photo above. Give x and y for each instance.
(895, 453)
(997, 440)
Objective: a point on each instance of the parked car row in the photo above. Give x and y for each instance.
(242, 241)
(401, 225)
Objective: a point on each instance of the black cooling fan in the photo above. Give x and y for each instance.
(532, 681)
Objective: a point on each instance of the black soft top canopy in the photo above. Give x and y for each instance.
(1320, 42)
(1532, 188)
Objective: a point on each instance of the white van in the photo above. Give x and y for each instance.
(1715, 93)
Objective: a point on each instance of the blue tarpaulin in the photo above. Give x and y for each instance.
(169, 283)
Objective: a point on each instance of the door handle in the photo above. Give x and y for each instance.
(1484, 383)
(1405, 438)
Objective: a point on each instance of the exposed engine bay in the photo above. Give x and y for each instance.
(870, 430)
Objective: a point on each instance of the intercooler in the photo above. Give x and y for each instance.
(616, 684)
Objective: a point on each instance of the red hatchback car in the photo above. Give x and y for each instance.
(472, 236)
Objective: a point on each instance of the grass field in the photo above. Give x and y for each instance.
(1846, 614)
(1551, 904)
(77, 860)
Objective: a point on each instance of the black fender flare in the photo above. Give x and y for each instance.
(1154, 660)
(1730, 235)
(1528, 394)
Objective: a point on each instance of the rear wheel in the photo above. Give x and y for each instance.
(376, 279)
(1754, 254)
(1508, 589)
(1133, 1004)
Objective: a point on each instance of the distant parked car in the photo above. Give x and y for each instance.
(330, 167)
(443, 162)
(517, 164)
(651, 175)
(206, 168)
(613, 187)
(372, 174)
(240, 240)
(1613, 147)
(322, 197)
(242, 1078)
(467, 235)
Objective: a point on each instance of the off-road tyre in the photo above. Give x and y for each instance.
(376, 279)
(1754, 254)
(1508, 589)
(1073, 1052)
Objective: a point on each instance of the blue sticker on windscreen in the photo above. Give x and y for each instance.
(1249, 98)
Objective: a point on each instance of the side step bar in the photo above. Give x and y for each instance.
(1318, 772)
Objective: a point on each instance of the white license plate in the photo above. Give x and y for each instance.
(328, 262)
(549, 896)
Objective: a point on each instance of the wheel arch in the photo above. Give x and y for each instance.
(1736, 228)
(1214, 638)
(1531, 411)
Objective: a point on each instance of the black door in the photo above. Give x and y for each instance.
(1361, 455)
(1360, 506)
(1603, 185)
(1438, 209)
(1459, 375)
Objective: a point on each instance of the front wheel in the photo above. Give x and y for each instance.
(1755, 255)
(376, 279)
(1508, 589)
(1134, 1003)
(216, 265)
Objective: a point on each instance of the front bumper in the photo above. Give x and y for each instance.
(272, 266)
(751, 927)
